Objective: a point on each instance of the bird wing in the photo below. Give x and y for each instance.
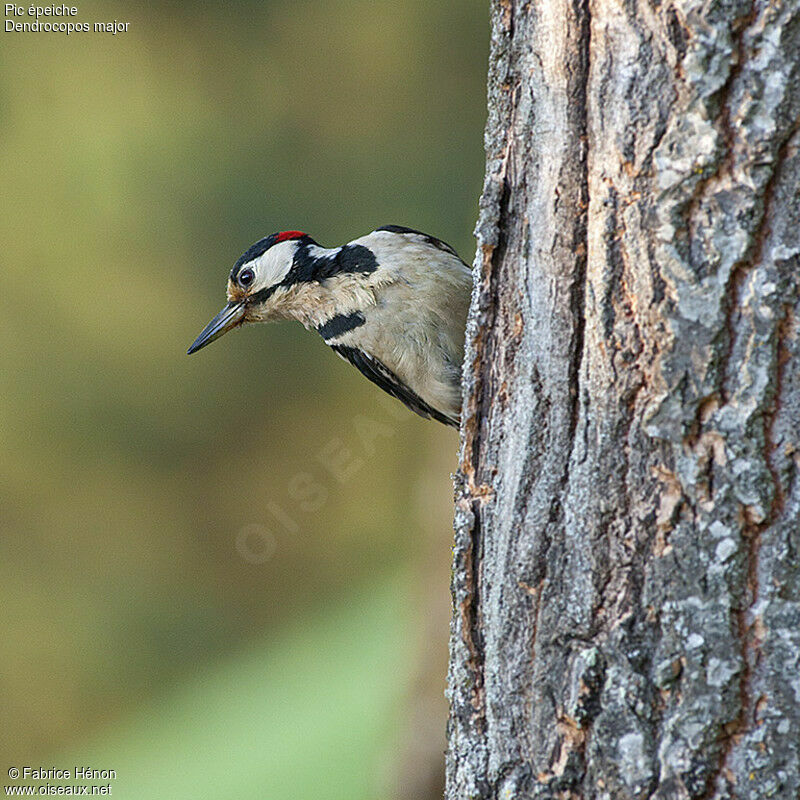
(425, 237)
(382, 376)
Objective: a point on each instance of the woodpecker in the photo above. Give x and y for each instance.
(393, 303)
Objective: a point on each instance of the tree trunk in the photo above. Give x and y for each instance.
(626, 581)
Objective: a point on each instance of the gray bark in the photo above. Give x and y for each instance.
(626, 582)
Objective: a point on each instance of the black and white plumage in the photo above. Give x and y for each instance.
(393, 303)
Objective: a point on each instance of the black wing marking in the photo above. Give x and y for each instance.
(382, 376)
(431, 240)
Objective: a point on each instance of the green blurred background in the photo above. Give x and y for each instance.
(190, 594)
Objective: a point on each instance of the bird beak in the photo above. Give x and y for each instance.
(230, 316)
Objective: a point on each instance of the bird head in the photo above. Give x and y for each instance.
(259, 282)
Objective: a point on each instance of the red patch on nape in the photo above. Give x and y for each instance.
(284, 235)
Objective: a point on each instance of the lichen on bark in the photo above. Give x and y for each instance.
(626, 583)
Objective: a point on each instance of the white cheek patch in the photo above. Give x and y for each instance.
(272, 266)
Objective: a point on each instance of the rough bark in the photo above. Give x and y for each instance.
(626, 582)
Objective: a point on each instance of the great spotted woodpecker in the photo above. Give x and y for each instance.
(393, 303)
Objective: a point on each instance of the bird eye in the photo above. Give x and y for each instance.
(246, 277)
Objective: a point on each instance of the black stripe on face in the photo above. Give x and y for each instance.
(306, 268)
(262, 295)
(259, 248)
(340, 324)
